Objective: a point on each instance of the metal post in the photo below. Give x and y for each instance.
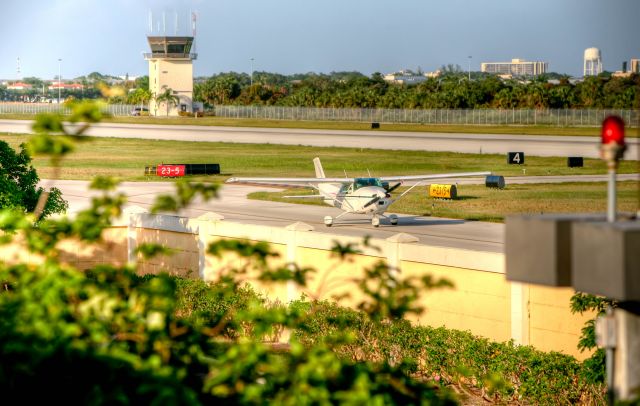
(611, 196)
(251, 71)
(610, 353)
(59, 79)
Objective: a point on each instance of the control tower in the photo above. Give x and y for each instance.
(170, 67)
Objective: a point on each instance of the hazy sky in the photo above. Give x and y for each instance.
(294, 36)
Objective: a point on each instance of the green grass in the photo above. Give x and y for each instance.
(476, 202)
(336, 125)
(125, 159)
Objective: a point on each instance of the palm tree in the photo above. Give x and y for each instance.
(139, 96)
(168, 98)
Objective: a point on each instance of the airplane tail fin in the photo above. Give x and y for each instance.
(318, 166)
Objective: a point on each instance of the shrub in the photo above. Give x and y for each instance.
(19, 184)
(108, 336)
(502, 371)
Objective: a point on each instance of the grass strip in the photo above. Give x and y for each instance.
(125, 159)
(477, 202)
(341, 125)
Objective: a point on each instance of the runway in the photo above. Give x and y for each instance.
(235, 207)
(546, 145)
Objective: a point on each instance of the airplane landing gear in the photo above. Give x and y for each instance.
(393, 219)
(328, 221)
(375, 221)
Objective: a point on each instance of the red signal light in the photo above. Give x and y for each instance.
(612, 131)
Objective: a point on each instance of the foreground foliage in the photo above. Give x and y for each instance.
(19, 184)
(109, 336)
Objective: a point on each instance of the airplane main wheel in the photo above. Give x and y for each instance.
(375, 222)
(328, 221)
(393, 219)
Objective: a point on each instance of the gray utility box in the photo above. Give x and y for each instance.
(538, 247)
(606, 259)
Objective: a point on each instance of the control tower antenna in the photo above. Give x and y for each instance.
(18, 68)
(150, 22)
(194, 20)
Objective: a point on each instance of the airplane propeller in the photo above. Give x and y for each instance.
(392, 188)
(372, 201)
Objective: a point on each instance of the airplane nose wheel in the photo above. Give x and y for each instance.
(393, 219)
(375, 221)
(328, 221)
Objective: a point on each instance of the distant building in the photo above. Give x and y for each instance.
(66, 86)
(592, 62)
(408, 77)
(128, 78)
(404, 77)
(625, 73)
(19, 86)
(517, 67)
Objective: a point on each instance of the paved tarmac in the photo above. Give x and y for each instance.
(563, 146)
(234, 206)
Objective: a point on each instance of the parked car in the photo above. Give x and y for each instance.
(139, 111)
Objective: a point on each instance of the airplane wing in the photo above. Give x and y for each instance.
(422, 178)
(290, 181)
(432, 176)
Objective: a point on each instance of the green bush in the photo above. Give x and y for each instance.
(503, 371)
(109, 336)
(19, 184)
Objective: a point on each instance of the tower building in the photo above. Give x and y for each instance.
(170, 70)
(592, 62)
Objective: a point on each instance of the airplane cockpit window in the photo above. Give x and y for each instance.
(362, 182)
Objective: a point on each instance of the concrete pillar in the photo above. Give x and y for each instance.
(133, 215)
(292, 245)
(205, 225)
(626, 378)
(393, 250)
(520, 316)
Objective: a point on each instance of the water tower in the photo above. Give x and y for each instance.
(171, 68)
(592, 62)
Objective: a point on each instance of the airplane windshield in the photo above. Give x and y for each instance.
(362, 182)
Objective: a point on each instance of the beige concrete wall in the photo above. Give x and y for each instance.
(173, 74)
(183, 260)
(552, 325)
(110, 250)
(247, 271)
(333, 278)
(481, 301)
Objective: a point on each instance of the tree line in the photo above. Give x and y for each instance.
(452, 90)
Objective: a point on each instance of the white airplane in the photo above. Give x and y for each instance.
(369, 196)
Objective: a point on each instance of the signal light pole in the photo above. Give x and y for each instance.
(611, 151)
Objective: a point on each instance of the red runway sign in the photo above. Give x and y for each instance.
(170, 170)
